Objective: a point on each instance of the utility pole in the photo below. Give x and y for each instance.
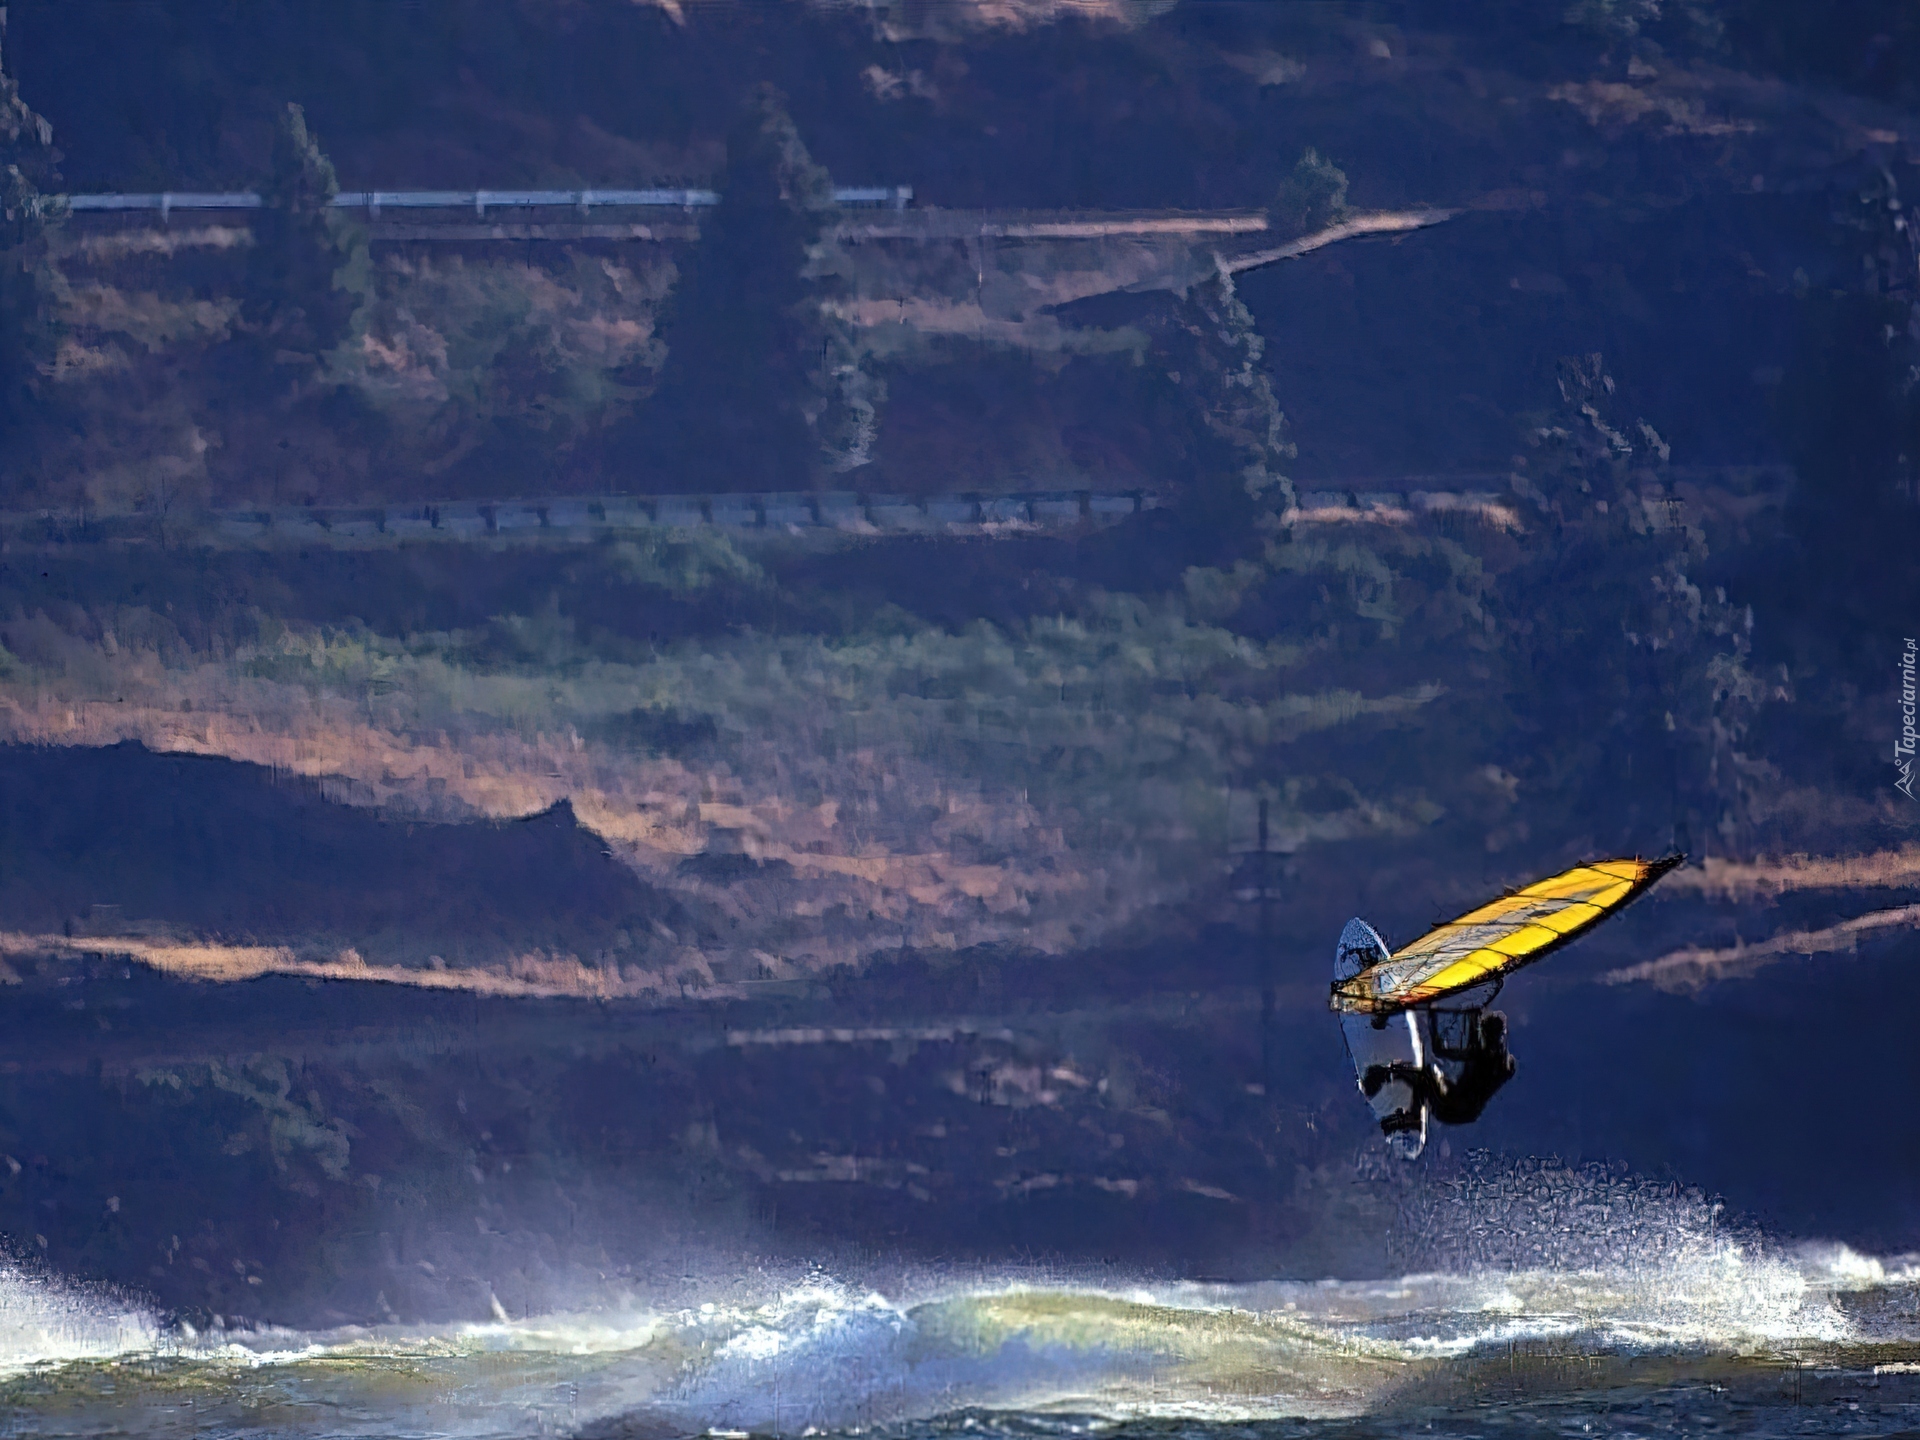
(1266, 957)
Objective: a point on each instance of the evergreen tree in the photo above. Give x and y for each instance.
(754, 368)
(307, 271)
(1629, 678)
(1213, 351)
(28, 281)
(1849, 411)
(1313, 197)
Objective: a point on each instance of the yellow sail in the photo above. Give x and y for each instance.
(1512, 931)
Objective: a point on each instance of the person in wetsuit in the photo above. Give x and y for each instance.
(1484, 1068)
(1485, 1065)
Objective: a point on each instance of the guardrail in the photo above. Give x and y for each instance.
(586, 515)
(576, 517)
(896, 197)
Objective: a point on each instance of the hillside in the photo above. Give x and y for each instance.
(1645, 204)
(834, 886)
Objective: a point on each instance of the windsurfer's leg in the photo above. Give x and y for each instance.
(1416, 1079)
(1402, 1121)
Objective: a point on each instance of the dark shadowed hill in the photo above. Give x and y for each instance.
(229, 850)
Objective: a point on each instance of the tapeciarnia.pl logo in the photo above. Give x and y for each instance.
(1903, 747)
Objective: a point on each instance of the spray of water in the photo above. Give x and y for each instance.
(47, 1321)
(1494, 1252)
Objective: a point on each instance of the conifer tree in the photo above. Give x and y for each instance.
(753, 364)
(1630, 678)
(307, 271)
(1313, 197)
(1849, 415)
(28, 281)
(1213, 350)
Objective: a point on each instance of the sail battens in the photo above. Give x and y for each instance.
(1498, 937)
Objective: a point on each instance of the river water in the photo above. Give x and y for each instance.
(1569, 1306)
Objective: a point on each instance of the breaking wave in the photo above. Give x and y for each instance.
(1636, 1270)
(46, 1321)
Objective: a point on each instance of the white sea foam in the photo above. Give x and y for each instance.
(824, 1353)
(47, 1321)
(1845, 1269)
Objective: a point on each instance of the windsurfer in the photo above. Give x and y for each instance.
(1423, 1050)
(1484, 1066)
